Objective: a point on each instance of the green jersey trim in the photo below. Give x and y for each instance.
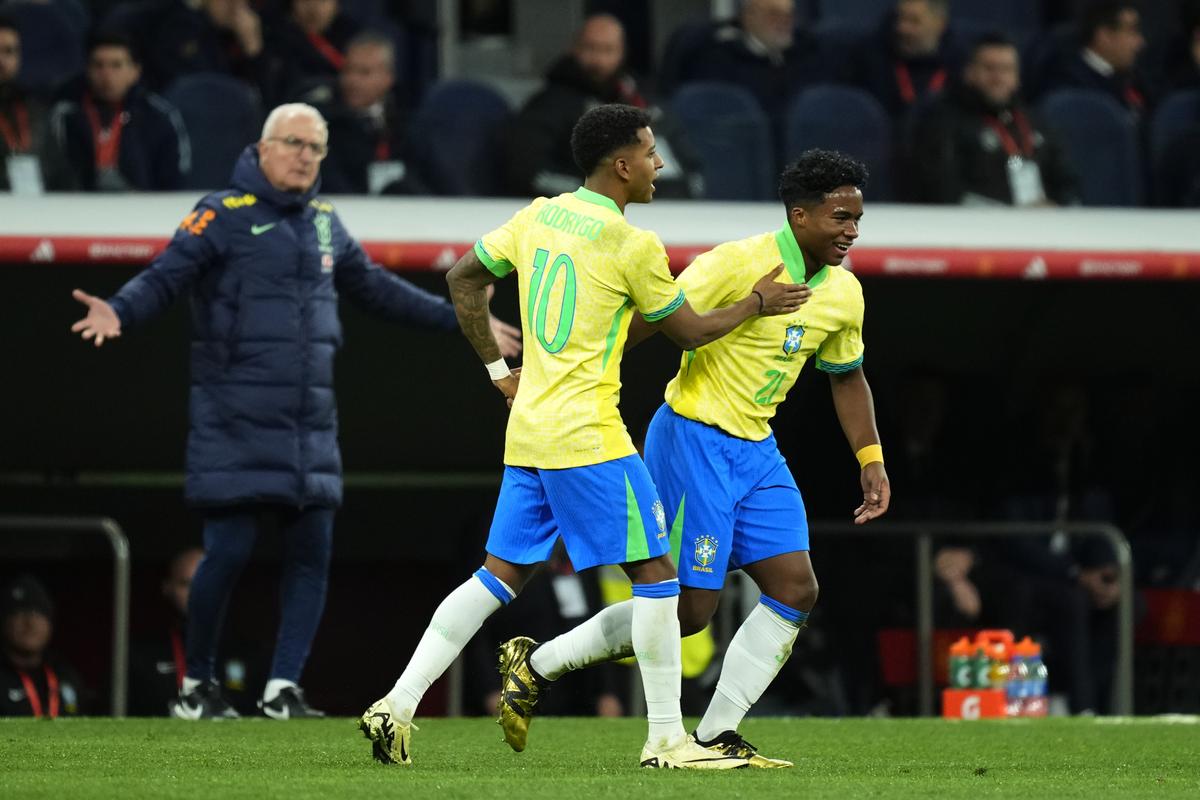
(793, 259)
(666, 311)
(838, 369)
(498, 267)
(595, 198)
(613, 330)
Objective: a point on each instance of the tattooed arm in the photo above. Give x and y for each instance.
(469, 280)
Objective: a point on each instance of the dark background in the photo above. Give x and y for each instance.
(422, 439)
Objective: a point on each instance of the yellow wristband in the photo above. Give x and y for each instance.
(869, 455)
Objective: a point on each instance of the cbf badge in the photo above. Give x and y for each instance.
(705, 553)
(792, 338)
(660, 518)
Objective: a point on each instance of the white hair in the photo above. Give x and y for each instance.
(289, 109)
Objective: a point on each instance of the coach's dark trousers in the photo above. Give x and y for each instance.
(229, 536)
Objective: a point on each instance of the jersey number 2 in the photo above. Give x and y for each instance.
(541, 284)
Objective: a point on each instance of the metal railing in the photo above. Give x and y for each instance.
(120, 548)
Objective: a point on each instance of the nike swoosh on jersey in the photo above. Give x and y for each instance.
(260, 229)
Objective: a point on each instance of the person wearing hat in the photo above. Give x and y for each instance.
(32, 683)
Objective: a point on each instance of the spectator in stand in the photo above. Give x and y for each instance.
(157, 664)
(1183, 55)
(222, 36)
(32, 681)
(762, 51)
(979, 144)
(312, 41)
(117, 135)
(366, 122)
(32, 160)
(537, 143)
(909, 59)
(1110, 34)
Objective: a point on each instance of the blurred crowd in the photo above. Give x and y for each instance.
(1029, 103)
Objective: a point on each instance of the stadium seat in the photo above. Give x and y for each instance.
(842, 118)
(1177, 113)
(859, 12)
(1011, 16)
(455, 136)
(51, 44)
(681, 48)
(730, 133)
(222, 115)
(1101, 143)
(364, 12)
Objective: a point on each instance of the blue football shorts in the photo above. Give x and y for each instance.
(607, 513)
(734, 501)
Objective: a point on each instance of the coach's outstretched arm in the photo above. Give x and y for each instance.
(469, 281)
(690, 330)
(856, 411)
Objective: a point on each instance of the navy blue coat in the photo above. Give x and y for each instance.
(265, 269)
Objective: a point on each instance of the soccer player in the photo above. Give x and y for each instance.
(713, 457)
(571, 469)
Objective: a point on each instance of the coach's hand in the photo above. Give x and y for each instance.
(877, 493)
(101, 321)
(508, 337)
(780, 298)
(508, 386)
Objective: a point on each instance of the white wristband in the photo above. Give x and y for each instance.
(498, 369)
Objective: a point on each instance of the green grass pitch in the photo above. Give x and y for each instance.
(586, 759)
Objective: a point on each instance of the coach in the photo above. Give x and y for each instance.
(265, 261)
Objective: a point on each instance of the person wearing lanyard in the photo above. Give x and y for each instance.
(30, 160)
(32, 684)
(313, 39)
(158, 661)
(908, 58)
(366, 122)
(979, 144)
(117, 135)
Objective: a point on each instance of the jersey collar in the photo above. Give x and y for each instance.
(588, 196)
(793, 259)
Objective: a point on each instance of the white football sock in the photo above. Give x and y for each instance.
(454, 622)
(755, 655)
(655, 634)
(606, 636)
(274, 687)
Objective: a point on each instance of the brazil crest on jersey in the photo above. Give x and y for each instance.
(582, 270)
(736, 382)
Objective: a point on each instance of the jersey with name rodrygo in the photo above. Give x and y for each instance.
(736, 382)
(582, 270)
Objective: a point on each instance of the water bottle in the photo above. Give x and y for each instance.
(1018, 678)
(981, 667)
(1035, 702)
(998, 669)
(960, 665)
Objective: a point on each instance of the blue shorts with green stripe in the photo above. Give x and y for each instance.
(734, 501)
(607, 513)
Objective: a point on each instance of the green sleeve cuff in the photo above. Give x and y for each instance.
(499, 268)
(665, 311)
(838, 369)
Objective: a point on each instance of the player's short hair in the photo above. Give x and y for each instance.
(816, 173)
(990, 39)
(602, 131)
(939, 7)
(9, 23)
(113, 38)
(1099, 14)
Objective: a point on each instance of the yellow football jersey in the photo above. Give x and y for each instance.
(736, 382)
(582, 270)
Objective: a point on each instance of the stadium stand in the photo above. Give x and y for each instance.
(222, 115)
(731, 135)
(1101, 143)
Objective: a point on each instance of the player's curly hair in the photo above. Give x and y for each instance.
(816, 173)
(603, 130)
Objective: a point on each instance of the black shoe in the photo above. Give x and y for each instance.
(203, 702)
(290, 704)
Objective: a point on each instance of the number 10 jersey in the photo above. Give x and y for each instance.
(583, 271)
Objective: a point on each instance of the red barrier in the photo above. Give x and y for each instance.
(897, 262)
